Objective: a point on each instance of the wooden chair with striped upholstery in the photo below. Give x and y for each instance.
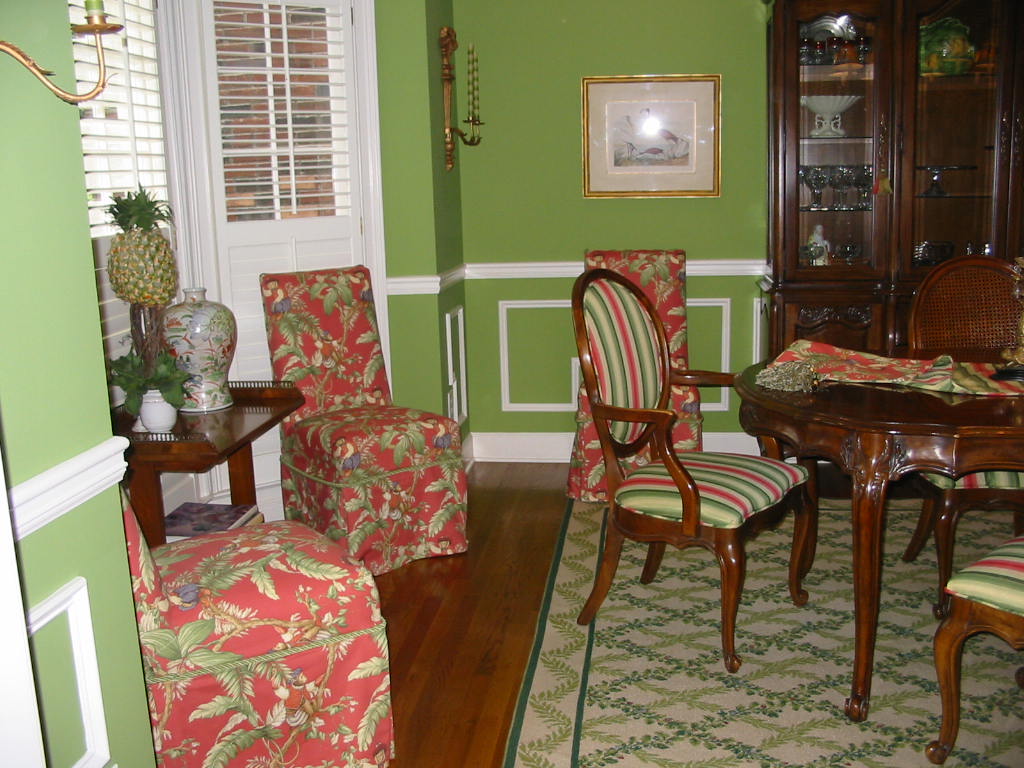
(967, 308)
(986, 596)
(712, 500)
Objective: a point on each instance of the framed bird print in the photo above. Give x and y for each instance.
(651, 136)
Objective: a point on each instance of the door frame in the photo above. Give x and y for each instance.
(192, 195)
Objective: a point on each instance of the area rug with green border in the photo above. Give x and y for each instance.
(645, 685)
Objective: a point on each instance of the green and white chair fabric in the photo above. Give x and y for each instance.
(986, 596)
(713, 500)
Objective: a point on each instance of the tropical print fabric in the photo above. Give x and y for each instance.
(387, 482)
(942, 374)
(996, 580)
(263, 647)
(661, 275)
(732, 487)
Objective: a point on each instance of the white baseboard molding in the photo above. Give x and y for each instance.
(556, 447)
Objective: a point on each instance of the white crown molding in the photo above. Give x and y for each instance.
(434, 284)
(42, 499)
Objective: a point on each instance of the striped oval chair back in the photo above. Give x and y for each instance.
(628, 353)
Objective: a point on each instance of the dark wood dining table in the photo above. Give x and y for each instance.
(877, 434)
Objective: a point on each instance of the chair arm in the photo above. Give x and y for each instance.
(696, 378)
(654, 416)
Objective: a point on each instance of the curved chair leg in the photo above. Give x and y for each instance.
(605, 574)
(655, 552)
(945, 538)
(925, 525)
(949, 643)
(732, 562)
(805, 541)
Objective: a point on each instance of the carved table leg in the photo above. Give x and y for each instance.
(869, 460)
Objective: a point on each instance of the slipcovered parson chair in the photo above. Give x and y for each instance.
(986, 596)
(712, 500)
(388, 482)
(967, 308)
(261, 646)
(661, 275)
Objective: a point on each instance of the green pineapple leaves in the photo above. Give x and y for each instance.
(137, 210)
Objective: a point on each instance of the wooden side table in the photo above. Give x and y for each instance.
(201, 441)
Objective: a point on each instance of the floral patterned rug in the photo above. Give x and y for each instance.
(645, 685)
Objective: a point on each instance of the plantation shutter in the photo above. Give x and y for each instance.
(284, 123)
(283, 144)
(122, 136)
(122, 128)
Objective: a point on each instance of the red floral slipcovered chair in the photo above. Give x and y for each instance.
(386, 481)
(661, 275)
(261, 646)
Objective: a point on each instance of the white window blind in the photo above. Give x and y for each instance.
(122, 130)
(284, 121)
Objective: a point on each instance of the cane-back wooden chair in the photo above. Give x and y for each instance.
(712, 500)
(661, 275)
(967, 308)
(986, 596)
(387, 481)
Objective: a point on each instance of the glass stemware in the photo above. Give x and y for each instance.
(863, 179)
(816, 178)
(841, 179)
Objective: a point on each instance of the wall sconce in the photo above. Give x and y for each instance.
(448, 46)
(96, 23)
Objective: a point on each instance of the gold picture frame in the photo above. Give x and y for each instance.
(652, 136)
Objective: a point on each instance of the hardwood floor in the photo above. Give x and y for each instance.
(460, 628)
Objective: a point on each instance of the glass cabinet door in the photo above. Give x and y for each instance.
(837, 172)
(950, 206)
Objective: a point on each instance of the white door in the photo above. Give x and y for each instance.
(275, 155)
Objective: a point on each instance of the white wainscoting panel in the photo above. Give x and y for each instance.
(73, 600)
(504, 308)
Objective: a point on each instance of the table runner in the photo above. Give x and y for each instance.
(942, 374)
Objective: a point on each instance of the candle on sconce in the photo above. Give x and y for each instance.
(93, 7)
(473, 85)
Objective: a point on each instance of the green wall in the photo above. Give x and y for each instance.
(53, 395)
(422, 221)
(518, 196)
(522, 187)
(522, 194)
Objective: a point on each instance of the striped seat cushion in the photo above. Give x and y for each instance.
(732, 487)
(992, 479)
(996, 580)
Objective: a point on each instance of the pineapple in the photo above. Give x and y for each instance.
(141, 264)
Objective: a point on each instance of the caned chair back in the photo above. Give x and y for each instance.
(964, 307)
(322, 334)
(622, 347)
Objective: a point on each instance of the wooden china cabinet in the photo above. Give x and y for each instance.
(897, 131)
